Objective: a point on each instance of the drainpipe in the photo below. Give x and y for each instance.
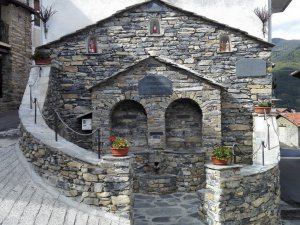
(270, 21)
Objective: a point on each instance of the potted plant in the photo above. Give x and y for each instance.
(221, 155)
(41, 57)
(119, 146)
(263, 107)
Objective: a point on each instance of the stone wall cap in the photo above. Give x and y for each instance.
(225, 167)
(255, 169)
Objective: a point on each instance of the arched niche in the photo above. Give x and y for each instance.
(224, 43)
(183, 125)
(129, 120)
(154, 27)
(92, 46)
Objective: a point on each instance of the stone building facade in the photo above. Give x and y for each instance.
(201, 70)
(15, 52)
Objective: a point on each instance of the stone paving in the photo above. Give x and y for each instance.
(24, 202)
(177, 208)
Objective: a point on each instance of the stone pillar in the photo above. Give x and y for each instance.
(116, 187)
(221, 196)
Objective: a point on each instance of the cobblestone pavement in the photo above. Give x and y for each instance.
(169, 209)
(23, 202)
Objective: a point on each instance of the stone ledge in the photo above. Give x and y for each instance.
(225, 167)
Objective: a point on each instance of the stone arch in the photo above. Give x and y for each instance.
(129, 119)
(183, 125)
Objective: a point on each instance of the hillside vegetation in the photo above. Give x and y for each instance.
(286, 56)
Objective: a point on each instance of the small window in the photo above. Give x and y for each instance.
(92, 45)
(155, 27)
(37, 21)
(224, 43)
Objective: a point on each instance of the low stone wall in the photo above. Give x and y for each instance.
(107, 185)
(168, 171)
(236, 195)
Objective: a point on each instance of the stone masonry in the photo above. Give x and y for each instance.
(16, 64)
(240, 195)
(107, 185)
(186, 39)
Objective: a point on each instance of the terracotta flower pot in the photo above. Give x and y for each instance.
(262, 110)
(219, 161)
(119, 151)
(42, 61)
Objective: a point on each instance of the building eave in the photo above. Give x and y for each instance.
(280, 5)
(18, 4)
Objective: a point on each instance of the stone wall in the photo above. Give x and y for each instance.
(16, 64)
(196, 126)
(237, 196)
(107, 185)
(168, 171)
(186, 39)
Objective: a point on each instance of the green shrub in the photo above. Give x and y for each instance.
(222, 152)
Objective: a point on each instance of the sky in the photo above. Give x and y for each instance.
(286, 25)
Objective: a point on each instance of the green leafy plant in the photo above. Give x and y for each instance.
(119, 142)
(38, 54)
(222, 152)
(265, 104)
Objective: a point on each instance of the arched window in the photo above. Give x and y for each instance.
(92, 45)
(224, 43)
(154, 26)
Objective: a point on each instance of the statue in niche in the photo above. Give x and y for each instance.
(224, 43)
(92, 45)
(154, 26)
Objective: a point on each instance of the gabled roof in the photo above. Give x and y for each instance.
(292, 117)
(167, 62)
(171, 6)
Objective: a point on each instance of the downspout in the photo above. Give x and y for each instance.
(270, 21)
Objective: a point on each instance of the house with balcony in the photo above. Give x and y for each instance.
(15, 51)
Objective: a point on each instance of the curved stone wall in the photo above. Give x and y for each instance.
(76, 172)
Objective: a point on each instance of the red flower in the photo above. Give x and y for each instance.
(112, 138)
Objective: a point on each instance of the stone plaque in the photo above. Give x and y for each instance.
(155, 85)
(251, 68)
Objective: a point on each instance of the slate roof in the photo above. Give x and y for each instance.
(167, 62)
(171, 6)
(292, 117)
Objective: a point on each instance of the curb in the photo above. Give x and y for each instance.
(12, 133)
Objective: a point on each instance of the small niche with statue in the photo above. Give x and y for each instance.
(92, 45)
(155, 27)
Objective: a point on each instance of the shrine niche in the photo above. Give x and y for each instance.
(224, 43)
(154, 27)
(92, 44)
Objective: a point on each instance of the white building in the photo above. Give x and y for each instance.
(75, 14)
(289, 129)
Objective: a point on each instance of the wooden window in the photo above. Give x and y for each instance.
(37, 21)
